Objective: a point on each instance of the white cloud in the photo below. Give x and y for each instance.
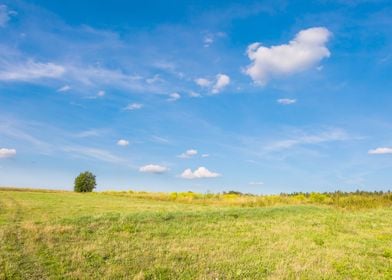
(205, 155)
(133, 106)
(174, 96)
(123, 142)
(381, 151)
(203, 82)
(153, 168)
(188, 154)
(304, 51)
(194, 94)
(64, 88)
(199, 173)
(222, 81)
(155, 79)
(286, 101)
(30, 71)
(208, 40)
(5, 15)
(101, 93)
(7, 153)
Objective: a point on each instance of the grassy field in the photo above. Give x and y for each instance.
(65, 235)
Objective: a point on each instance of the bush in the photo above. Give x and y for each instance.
(85, 182)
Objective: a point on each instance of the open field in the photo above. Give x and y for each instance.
(52, 235)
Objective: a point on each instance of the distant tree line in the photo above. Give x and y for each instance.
(308, 194)
(340, 193)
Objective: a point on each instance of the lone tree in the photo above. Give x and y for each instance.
(85, 182)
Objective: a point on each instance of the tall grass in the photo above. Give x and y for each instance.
(348, 200)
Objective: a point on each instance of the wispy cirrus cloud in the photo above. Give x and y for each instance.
(89, 133)
(330, 135)
(17, 131)
(61, 143)
(5, 15)
(93, 153)
(159, 139)
(64, 88)
(256, 183)
(30, 71)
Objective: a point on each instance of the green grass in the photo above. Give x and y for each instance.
(64, 235)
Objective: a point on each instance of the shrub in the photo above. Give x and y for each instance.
(317, 197)
(85, 182)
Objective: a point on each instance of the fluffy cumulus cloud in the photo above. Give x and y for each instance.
(123, 142)
(194, 94)
(217, 85)
(174, 96)
(133, 106)
(153, 168)
(304, 51)
(286, 101)
(222, 81)
(203, 82)
(199, 173)
(188, 154)
(381, 151)
(7, 153)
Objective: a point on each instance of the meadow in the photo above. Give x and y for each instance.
(139, 235)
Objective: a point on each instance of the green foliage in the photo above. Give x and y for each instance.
(85, 182)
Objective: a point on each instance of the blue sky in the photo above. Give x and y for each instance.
(257, 96)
